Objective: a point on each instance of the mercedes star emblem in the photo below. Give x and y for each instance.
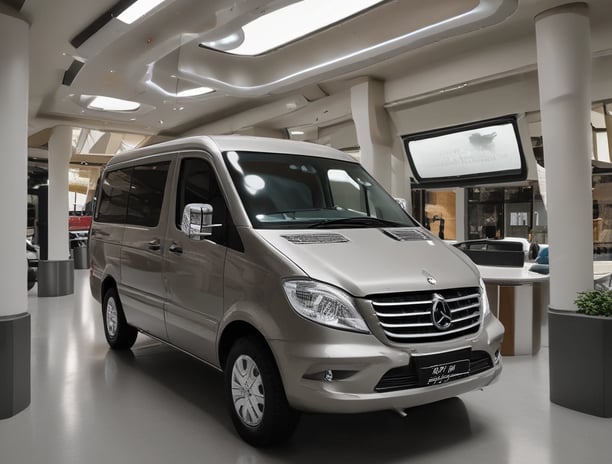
(441, 314)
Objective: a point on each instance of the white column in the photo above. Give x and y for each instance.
(564, 74)
(60, 150)
(14, 80)
(372, 124)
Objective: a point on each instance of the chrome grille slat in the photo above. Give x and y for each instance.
(433, 334)
(421, 324)
(407, 303)
(424, 313)
(461, 298)
(407, 317)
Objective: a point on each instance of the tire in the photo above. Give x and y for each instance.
(119, 335)
(255, 395)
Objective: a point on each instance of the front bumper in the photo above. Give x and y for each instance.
(357, 368)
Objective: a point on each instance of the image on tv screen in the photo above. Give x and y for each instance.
(484, 152)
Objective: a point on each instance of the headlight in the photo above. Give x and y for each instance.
(324, 304)
(486, 309)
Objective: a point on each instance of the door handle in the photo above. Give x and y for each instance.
(174, 248)
(154, 244)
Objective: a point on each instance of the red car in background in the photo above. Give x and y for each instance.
(78, 223)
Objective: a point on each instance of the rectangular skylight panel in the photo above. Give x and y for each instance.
(290, 23)
(137, 10)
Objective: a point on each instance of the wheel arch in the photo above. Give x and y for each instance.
(234, 331)
(108, 282)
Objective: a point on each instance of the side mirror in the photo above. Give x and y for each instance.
(403, 203)
(197, 221)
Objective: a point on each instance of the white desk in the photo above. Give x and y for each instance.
(519, 298)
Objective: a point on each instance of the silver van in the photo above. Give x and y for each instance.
(286, 266)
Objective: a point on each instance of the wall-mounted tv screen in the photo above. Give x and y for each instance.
(482, 152)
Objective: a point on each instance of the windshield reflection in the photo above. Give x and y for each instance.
(293, 191)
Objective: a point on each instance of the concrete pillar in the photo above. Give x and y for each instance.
(60, 150)
(14, 318)
(56, 274)
(564, 75)
(372, 123)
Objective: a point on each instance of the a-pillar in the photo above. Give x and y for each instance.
(14, 319)
(372, 124)
(579, 372)
(56, 273)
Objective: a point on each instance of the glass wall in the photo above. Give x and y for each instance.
(436, 210)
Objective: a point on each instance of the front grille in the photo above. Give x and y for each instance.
(405, 377)
(407, 317)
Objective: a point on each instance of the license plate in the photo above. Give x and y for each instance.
(445, 372)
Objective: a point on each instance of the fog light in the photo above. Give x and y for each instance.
(329, 375)
(496, 356)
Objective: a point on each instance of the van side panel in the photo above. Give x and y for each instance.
(141, 289)
(105, 252)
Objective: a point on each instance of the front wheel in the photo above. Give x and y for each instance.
(119, 335)
(255, 395)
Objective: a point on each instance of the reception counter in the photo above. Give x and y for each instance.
(519, 298)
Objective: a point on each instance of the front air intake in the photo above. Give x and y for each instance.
(406, 234)
(310, 239)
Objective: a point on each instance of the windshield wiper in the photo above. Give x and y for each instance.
(359, 221)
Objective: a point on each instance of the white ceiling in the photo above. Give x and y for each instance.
(305, 83)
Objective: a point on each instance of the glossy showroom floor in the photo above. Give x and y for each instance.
(155, 405)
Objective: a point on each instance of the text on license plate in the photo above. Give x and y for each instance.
(442, 373)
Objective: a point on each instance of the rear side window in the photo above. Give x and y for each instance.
(113, 194)
(133, 195)
(147, 194)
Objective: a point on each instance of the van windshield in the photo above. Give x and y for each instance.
(281, 191)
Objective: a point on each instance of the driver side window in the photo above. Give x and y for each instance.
(198, 184)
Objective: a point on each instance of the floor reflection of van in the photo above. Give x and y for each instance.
(287, 267)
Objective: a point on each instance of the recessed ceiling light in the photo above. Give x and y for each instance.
(194, 92)
(137, 10)
(288, 23)
(112, 104)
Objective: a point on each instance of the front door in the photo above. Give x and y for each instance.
(193, 269)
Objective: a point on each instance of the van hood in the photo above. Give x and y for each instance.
(369, 261)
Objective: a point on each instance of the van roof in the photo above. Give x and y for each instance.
(222, 143)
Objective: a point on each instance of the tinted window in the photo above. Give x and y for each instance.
(294, 191)
(114, 196)
(198, 184)
(147, 194)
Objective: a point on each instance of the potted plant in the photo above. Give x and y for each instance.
(581, 354)
(595, 303)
